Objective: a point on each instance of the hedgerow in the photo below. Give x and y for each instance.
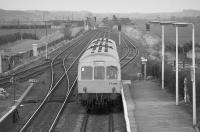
(16, 36)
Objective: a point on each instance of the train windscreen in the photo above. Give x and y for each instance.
(99, 73)
(111, 72)
(86, 73)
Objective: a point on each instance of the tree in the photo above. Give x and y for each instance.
(115, 20)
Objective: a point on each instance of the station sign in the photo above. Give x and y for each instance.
(33, 80)
(144, 60)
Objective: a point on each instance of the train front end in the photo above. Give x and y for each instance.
(99, 78)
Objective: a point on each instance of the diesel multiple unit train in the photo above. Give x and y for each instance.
(99, 73)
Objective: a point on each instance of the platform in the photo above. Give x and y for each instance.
(151, 109)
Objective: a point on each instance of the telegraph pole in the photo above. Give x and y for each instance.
(18, 24)
(46, 27)
(1, 63)
(12, 81)
(119, 30)
(163, 55)
(35, 31)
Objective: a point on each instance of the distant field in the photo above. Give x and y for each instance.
(75, 30)
(185, 34)
(39, 32)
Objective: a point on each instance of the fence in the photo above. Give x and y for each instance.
(154, 69)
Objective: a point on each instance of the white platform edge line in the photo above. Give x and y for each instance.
(196, 128)
(128, 129)
(18, 102)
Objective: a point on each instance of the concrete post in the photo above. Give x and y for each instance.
(144, 61)
(85, 25)
(145, 71)
(119, 38)
(35, 51)
(1, 69)
(185, 90)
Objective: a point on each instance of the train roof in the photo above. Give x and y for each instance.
(101, 46)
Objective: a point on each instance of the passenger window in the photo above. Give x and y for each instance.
(86, 73)
(99, 73)
(111, 72)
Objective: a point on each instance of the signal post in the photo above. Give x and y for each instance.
(144, 62)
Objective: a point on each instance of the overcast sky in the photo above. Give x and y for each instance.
(102, 6)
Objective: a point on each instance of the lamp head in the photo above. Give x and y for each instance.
(154, 22)
(181, 24)
(167, 22)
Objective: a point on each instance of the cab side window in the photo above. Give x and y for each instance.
(111, 72)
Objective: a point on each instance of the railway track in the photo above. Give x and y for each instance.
(56, 98)
(23, 74)
(55, 73)
(131, 54)
(27, 73)
(98, 122)
(73, 76)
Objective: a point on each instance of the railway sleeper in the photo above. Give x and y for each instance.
(56, 99)
(31, 101)
(99, 102)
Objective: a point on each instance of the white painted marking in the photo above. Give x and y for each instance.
(128, 129)
(126, 82)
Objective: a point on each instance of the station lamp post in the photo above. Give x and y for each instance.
(177, 25)
(163, 24)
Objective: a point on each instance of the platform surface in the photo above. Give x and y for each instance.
(151, 109)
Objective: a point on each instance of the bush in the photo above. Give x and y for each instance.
(21, 26)
(29, 36)
(16, 36)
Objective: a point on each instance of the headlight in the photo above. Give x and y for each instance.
(85, 89)
(114, 90)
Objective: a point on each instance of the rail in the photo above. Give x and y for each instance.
(43, 102)
(70, 89)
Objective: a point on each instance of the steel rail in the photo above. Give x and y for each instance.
(52, 70)
(29, 71)
(111, 123)
(133, 57)
(85, 122)
(70, 89)
(41, 105)
(123, 57)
